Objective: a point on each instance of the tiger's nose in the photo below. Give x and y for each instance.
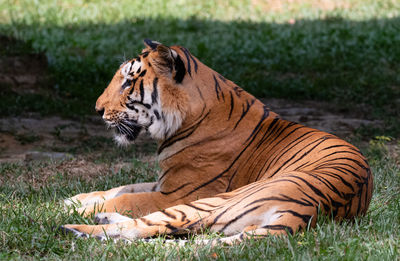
(100, 111)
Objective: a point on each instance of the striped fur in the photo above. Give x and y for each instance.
(228, 163)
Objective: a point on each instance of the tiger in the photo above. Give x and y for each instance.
(228, 163)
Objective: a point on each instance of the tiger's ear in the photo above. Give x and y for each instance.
(168, 62)
(151, 44)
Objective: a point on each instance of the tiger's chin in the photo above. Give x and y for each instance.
(125, 139)
(122, 140)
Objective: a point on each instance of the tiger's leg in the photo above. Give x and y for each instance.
(174, 220)
(261, 204)
(98, 197)
(281, 205)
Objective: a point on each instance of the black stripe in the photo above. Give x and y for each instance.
(194, 61)
(189, 70)
(305, 218)
(141, 89)
(138, 70)
(232, 105)
(271, 127)
(284, 180)
(313, 188)
(334, 175)
(218, 89)
(168, 214)
(197, 208)
(245, 109)
(172, 228)
(165, 173)
(239, 217)
(133, 86)
(183, 215)
(175, 190)
(154, 94)
(148, 106)
(328, 184)
(207, 204)
(148, 222)
(143, 73)
(237, 90)
(322, 158)
(222, 77)
(130, 67)
(279, 227)
(263, 117)
(228, 188)
(157, 114)
(132, 107)
(281, 199)
(180, 70)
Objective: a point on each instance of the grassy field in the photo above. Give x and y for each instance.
(344, 52)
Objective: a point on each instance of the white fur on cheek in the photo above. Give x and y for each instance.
(166, 126)
(125, 69)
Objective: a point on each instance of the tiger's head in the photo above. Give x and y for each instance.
(149, 93)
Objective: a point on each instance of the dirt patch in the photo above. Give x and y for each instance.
(42, 138)
(21, 69)
(19, 137)
(319, 115)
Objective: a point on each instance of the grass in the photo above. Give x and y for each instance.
(30, 209)
(346, 53)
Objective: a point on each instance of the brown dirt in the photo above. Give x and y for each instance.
(20, 69)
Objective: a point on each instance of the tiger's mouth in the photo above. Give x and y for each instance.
(126, 131)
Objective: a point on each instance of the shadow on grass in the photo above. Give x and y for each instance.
(353, 64)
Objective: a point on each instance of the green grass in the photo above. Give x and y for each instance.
(30, 209)
(348, 55)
